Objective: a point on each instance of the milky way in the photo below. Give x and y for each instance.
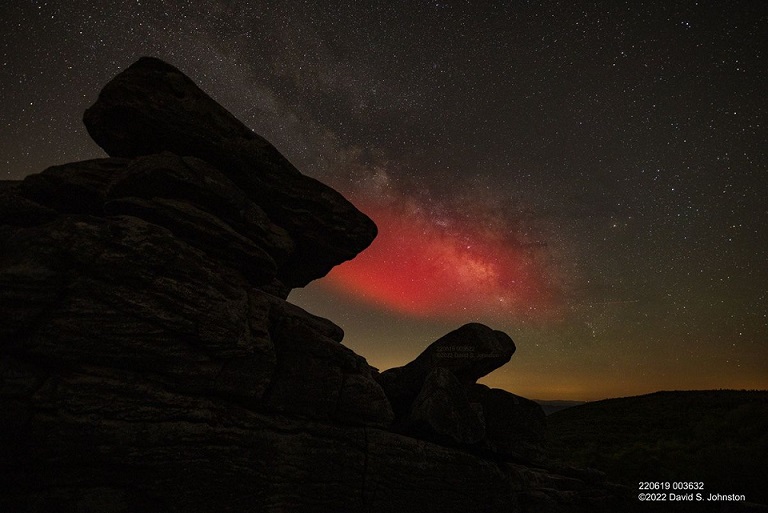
(589, 177)
(441, 268)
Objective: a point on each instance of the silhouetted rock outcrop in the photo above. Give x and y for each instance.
(469, 352)
(150, 362)
(442, 412)
(152, 107)
(449, 367)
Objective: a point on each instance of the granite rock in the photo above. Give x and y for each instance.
(469, 352)
(442, 413)
(152, 107)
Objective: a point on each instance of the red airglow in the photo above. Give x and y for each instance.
(428, 267)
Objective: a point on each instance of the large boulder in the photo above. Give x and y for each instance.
(435, 396)
(186, 195)
(169, 177)
(153, 107)
(469, 352)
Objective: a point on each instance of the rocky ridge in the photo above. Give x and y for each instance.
(150, 361)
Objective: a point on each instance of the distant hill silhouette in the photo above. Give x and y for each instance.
(718, 437)
(551, 407)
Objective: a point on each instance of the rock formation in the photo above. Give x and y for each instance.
(150, 361)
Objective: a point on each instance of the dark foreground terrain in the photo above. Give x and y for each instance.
(717, 437)
(151, 362)
(551, 407)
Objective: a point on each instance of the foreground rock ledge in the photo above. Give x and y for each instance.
(149, 361)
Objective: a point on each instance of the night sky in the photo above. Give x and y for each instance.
(587, 176)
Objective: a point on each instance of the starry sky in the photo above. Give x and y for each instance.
(586, 176)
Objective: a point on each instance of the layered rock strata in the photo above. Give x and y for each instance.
(150, 361)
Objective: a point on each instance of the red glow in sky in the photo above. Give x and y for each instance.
(425, 266)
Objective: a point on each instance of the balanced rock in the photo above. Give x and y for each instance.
(469, 352)
(152, 107)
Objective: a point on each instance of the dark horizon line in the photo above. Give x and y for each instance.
(706, 390)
